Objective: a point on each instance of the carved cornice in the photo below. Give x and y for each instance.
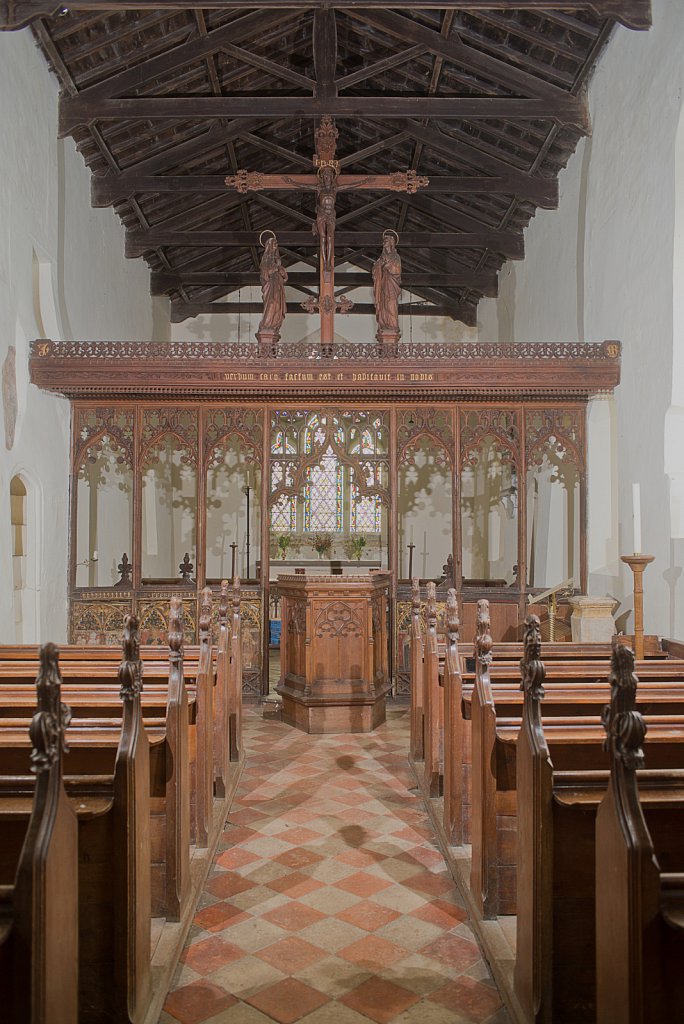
(427, 371)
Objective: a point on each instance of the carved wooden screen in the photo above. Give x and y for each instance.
(425, 456)
(554, 456)
(425, 451)
(329, 481)
(489, 484)
(232, 448)
(103, 524)
(168, 463)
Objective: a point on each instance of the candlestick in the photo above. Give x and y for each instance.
(637, 564)
(636, 517)
(233, 549)
(410, 546)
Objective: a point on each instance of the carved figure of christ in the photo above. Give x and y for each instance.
(326, 182)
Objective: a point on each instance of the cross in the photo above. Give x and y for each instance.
(326, 182)
(411, 548)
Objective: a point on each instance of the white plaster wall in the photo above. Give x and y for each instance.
(600, 267)
(88, 291)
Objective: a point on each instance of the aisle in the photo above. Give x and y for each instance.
(328, 902)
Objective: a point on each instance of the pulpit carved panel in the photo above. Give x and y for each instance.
(339, 620)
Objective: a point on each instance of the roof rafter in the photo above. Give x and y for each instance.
(80, 110)
(107, 189)
(634, 14)
(408, 30)
(163, 282)
(509, 243)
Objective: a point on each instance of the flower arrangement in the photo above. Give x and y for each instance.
(282, 542)
(353, 546)
(322, 543)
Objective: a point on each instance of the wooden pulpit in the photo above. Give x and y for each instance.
(334, 651)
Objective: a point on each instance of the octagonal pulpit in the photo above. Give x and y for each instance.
(334, 671)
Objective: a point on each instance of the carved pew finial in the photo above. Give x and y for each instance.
(176, 627)
(415, 595)
(624, 725)
(453, 623)
(49, 724)
(130, 668)
(532, 671)
(223, 604)
(236, 596)
(483, 634)
(431, 608)
(205, 615)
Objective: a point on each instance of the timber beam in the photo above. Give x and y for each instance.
(467, 313)
(162, 282)
(634, 14)
(81, 111)
(108, 189)
(508, 243)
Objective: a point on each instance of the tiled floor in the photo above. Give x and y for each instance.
(329, 902)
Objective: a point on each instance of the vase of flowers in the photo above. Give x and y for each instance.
(354, 546)
(284, 544)
(322, 543)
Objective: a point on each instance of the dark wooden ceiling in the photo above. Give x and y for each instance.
(487, 99)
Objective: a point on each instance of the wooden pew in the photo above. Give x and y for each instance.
(114, 859)
(490, 814)
(433, 704)
(39, 909)
(453, 731)
(555, 976)
(169, 801)
(416, 748)
(202, 738)
(235, 678)
(639, 880)
(575, 743)
(94, 751)
(221, 747)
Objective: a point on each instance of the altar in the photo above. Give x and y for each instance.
(334, 651)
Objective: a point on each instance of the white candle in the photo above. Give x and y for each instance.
(636, 517)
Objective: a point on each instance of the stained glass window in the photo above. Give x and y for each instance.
(366, 512)
(323, 496)
(284, 511)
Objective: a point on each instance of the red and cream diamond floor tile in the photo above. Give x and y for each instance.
(329, 901)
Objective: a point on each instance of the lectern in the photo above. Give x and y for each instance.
(334, 651)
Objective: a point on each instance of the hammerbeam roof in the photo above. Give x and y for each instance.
(488, 99)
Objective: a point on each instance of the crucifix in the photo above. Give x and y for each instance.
(326, 182)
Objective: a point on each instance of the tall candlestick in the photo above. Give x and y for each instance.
(636, 517)
(637, 564)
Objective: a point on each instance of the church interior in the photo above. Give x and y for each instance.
(342, 625)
